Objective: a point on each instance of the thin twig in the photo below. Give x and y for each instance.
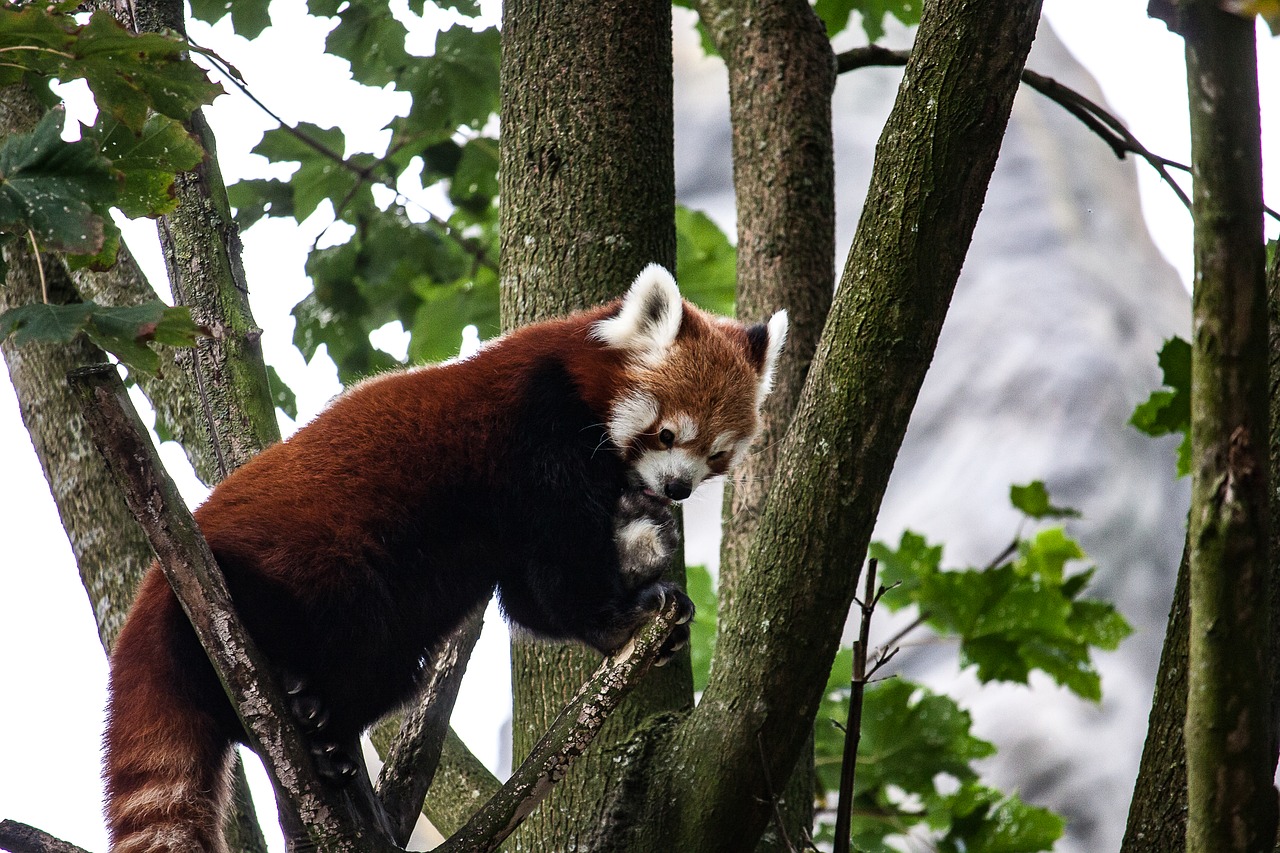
(853, 724)
(35, 252)
(773, 796)
(365, 174)
(1093, 116)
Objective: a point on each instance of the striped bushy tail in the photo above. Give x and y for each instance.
(168, 760)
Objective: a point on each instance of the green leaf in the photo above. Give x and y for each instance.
(125, 332)
(322, 173)
(105, 257)
(985, 821)
(248, 17)
(372, 41)
(835, 14)
(256, 198)
(455, 87)
(902, 571)
(1046, 555)
(281, 394)
(131, 73)
(149, 161)
(58, 190)
(1033, 500)
(702, 631)
(445, 311)
(706, 262)
(44, 323)
(475, 180)
(1168, 410)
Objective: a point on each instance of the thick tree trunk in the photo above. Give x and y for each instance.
(1231, 803)
(588, 199)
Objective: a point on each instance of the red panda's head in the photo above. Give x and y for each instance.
(690, 404)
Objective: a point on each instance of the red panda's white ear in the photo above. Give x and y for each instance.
(647, 323)
(777, 338)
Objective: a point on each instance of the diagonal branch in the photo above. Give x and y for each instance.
(570, 734)
(1091, 114)
(414, 754)
(198, 582)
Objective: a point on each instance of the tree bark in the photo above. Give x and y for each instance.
(202, 249)
(781, 79)
(109, 546)
(588, 199)
(776, 645)
(1158, 811)
(1230, 756)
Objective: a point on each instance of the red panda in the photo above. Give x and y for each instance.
(543, 467)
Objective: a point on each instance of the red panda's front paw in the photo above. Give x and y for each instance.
(685, 610)
(646, 536)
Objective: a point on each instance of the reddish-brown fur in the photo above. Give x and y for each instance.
(354, 546)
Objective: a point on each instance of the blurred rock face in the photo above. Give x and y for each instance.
(1050, 342)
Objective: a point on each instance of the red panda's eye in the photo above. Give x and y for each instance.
(667, 437)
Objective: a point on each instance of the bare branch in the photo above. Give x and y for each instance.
(1103, 123)
(20, 838)
(414, 754)
(567, 738)
(853, 724)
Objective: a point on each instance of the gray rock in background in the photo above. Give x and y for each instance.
(1050, 342)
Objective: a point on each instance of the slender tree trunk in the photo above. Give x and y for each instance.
(710, 790)
(110, 547)
(588, 199)
(1230, 756)
(781, 80)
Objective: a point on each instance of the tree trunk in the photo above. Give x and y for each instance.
(1230, 756)
(781, 80)
(709, 789)
(1158, 812)
(588, 199)
(109, 546)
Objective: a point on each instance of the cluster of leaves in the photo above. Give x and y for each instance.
(57, 194)
(914, 766)
(125, 331)
(872, 13)
(1168, 409)
(435, 274)
(145, 86)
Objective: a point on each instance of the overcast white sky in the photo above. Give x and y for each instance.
(51, 664)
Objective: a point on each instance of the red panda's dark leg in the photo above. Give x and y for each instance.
(168, 751)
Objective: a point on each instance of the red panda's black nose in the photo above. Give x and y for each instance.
(677, 490)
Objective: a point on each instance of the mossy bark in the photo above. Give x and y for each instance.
(588, 199)
(781, 79)
(1231, 802)
(202, 249)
